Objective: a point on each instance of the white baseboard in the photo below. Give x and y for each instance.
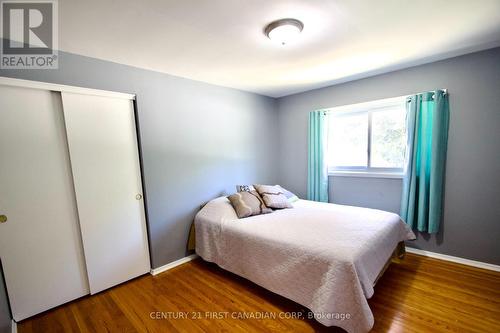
(458, 260)
(13, 326)
(156, 271)
(468, 262)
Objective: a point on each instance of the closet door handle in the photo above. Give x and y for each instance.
(138, 196)
(3, 218)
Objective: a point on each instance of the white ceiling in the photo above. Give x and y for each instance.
(222, 41)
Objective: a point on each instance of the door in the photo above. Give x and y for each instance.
(40, 241)
(106, 171)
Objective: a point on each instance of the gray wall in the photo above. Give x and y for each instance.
(471, 225)
(5, 320)
(378, 193)
(198, 140)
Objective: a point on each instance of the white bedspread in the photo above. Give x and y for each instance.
(325, 257)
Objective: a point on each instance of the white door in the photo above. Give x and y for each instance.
(40, 241)
(105, 162)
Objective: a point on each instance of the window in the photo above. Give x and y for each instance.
(368, 138)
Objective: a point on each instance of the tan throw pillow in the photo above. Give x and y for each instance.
(248, 204)
(273, 196)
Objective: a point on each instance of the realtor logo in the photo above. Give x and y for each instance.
(29, 34)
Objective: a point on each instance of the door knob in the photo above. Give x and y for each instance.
(3, 218)
(138, 196)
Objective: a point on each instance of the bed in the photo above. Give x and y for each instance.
(326, 257)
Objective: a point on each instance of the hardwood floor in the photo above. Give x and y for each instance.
(416, 295)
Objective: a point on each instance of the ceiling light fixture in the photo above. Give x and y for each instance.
(284, 30)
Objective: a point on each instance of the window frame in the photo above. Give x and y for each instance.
(366, 108)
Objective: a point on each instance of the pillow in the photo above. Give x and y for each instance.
(289, 195)
(248, 203)
(273, 196)
(244, 188)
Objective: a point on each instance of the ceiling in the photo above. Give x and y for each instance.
(222, 41)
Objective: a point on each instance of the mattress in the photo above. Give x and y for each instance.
(323, 256)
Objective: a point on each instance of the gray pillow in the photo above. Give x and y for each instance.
(248, 203)
(273, 196)
(289, 195)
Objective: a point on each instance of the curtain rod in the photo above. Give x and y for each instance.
(445, 92)
(327, 110)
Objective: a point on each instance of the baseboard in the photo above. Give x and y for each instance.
(457, 260)
(156, 271)
(13, 326)
(468, 262)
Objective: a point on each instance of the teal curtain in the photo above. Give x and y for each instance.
(317, 169)
(423, 185)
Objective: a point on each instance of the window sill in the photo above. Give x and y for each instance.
(365, 174)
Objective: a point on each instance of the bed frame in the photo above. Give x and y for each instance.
(397, 255)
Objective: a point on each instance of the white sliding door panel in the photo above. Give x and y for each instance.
(40, 241)
(106, 172)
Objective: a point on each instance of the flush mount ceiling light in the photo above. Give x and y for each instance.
(284, 30)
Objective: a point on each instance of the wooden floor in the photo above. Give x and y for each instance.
(417, 295)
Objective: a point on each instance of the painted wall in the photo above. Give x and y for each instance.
(5, 320)
(471, 224)
(378, 193)
(198, 140)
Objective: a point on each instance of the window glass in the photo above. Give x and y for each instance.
(388, 138)
(348, 140)
(367, 139)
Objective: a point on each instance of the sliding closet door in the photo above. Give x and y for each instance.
(106, 171)
(40, 241)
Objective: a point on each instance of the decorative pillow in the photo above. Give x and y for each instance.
(247, 204)
(289, 195)
(273, 196)
(244, 188)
